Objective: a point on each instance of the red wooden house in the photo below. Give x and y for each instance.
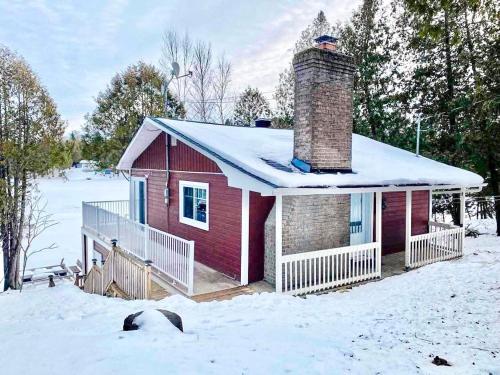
(318, 206)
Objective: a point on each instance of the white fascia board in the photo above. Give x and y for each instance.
(146, 134)
(349, 190)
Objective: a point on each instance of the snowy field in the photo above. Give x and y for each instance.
(64, 201)
(395, 326)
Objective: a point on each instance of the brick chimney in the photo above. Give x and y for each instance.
(323, 108)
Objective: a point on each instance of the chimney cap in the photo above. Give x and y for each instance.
(262, 122)
(326, 39)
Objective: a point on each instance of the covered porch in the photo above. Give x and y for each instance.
(319, 270)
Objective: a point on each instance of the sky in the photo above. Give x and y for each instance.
(76, 47)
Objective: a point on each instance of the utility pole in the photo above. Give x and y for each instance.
(417, 151)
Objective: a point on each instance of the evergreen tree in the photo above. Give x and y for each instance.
(31, 133)
(378, 104)
(284, 93)
(251, 104)
(454, 82)
(131, 96)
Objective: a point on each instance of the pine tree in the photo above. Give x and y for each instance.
(284, 93)
(251, 104)
(369, 38)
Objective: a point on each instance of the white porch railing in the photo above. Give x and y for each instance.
(323, 269)
(443, 242)
(171, 255)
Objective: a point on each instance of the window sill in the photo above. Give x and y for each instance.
(194, 223)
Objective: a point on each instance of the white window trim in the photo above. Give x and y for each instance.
(188, 221)
(132, 198)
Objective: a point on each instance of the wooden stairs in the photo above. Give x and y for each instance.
(129, 278)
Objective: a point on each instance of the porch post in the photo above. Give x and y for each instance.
(430, 209)
(378, 230)
(245, 224)
(462, 219)
(462, 207)
(408, 228)
(279, 243)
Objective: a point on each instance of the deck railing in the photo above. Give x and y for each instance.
(171, 255)
(444, 242)
(323, 269)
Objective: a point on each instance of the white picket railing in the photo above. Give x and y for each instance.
(440, 244)
(434, 226)
(171, 255)
(323, 269)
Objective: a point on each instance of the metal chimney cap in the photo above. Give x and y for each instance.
(326, 39)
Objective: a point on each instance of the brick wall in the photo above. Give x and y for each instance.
(323, 109)
(310, 222)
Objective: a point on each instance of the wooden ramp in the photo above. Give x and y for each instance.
(223, 295)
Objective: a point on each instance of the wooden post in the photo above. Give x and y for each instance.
(408, 229)
(378, 230)
(85, 254)
(462, 207)
(462, 219)
(147, 281)
(279, 243)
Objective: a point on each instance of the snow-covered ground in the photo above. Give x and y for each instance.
(395, 326)
(63, 198)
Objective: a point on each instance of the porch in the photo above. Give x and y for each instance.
(169, 258)
(317, 271)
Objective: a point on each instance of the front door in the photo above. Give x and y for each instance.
(361, 218)
(138, 199)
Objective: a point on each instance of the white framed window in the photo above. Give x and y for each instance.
(193, 204)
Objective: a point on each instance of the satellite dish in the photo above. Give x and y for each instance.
(175, 69)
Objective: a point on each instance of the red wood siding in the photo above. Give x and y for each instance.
(154, 157)
(259, 210)
(220, 246)
(184, 158)
(394, 219)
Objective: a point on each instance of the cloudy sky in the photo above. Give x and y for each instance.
(77, 46)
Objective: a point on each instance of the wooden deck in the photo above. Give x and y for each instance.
(223, 295)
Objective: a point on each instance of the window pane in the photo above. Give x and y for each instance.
(188, 202)
(201, 205)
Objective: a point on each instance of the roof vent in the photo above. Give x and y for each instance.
(262, 122)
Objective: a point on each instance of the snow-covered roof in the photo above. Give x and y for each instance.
(265, 155)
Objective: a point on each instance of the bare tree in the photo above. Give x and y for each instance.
(222, 80)
(202, 81)
(178, 49)
(37, 222)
